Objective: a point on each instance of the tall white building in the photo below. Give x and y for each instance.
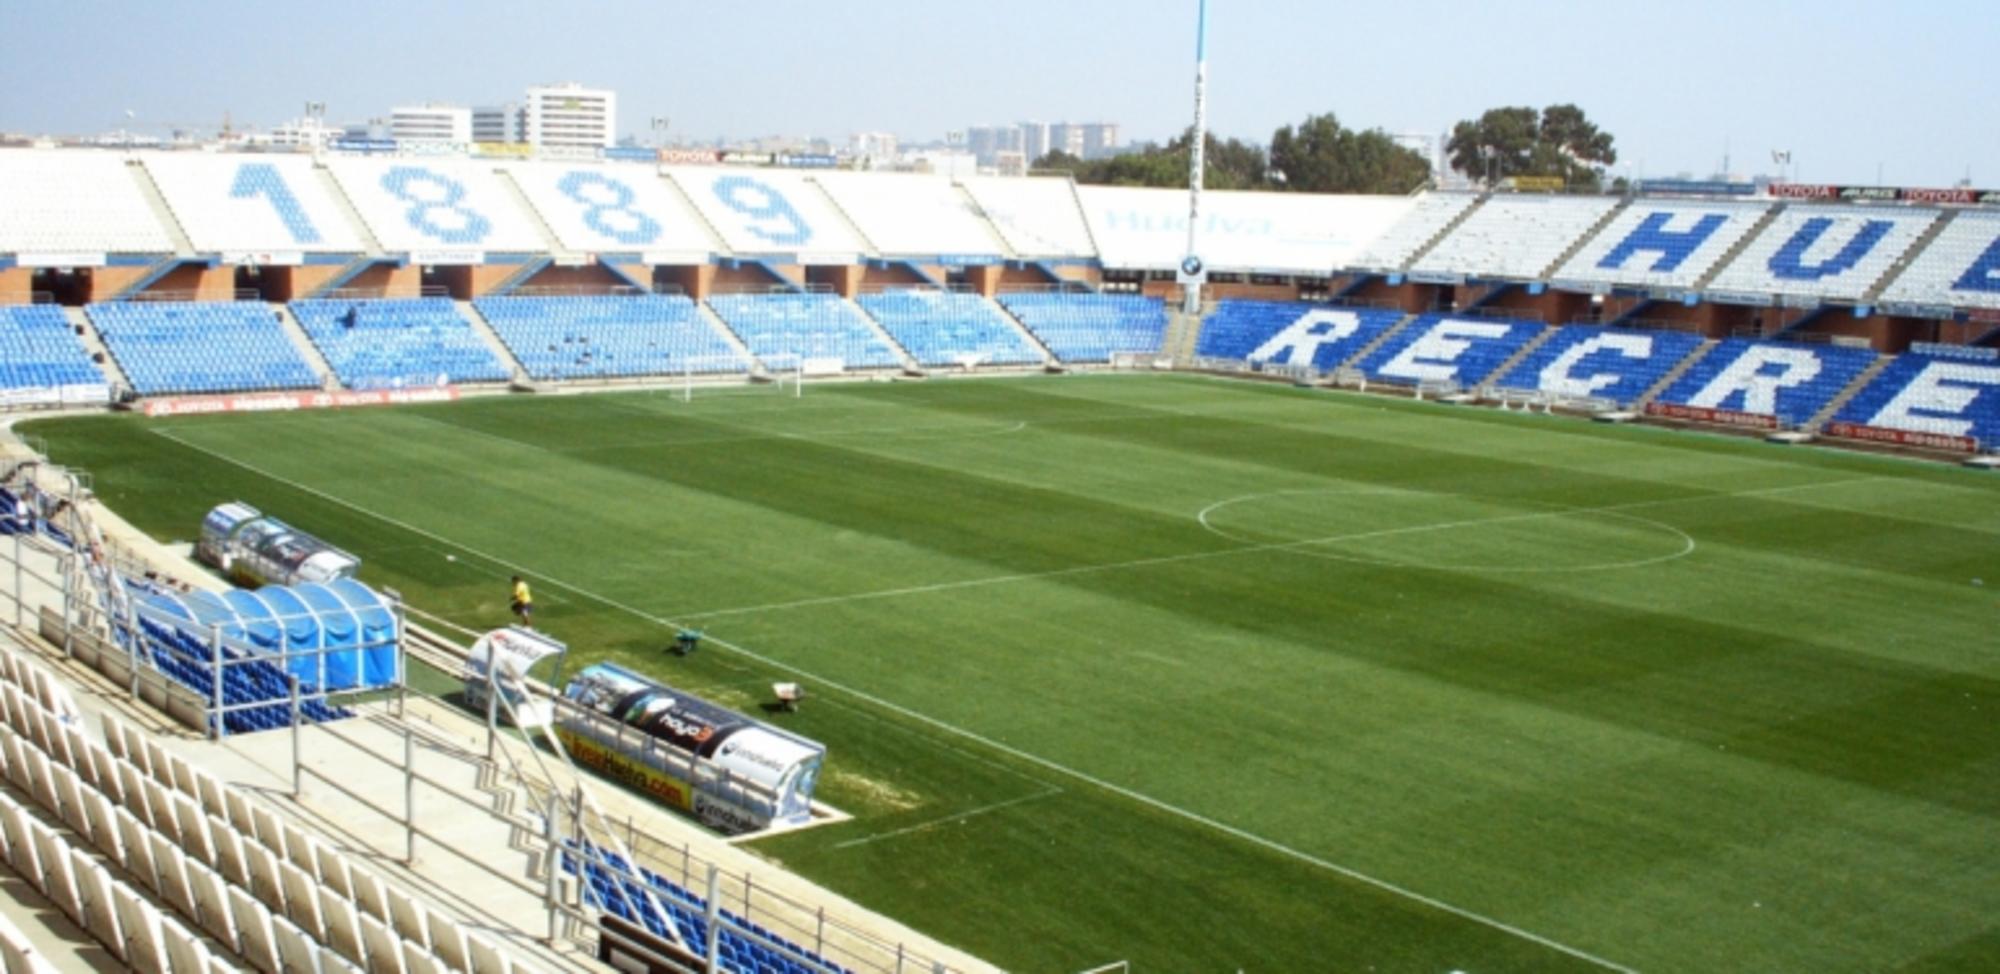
(1034, 140)
(1100, 139)
(431, 123)
(570, 116)
(496, 123)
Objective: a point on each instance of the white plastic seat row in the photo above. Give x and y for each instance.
(128, 925)
(197, 861)
(298, 875)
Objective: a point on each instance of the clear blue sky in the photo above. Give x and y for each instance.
(1847, 86)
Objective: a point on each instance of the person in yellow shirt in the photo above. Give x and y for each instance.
(523, 602)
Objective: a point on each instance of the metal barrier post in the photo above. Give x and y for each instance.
(714, 916)
(69, 600)
(409, 794)
(215, 668)
(492, 703)
(298, 766)
(555, 865)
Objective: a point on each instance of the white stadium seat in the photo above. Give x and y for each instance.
(771, 211)
(75, 202)
(911, 214)
(254, 204)
(1961, 268)
(594, 208)
(437, 205)
(1394, 248)
(1038, 217)
(1515, 237)
(1824, 252)
(1663, 243)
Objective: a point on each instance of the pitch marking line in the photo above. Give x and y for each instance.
(1270, 845)
(949, 819)
(1250, 549)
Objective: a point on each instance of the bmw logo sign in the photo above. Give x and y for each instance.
(1191, 266)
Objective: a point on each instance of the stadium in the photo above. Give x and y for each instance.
(941, 573)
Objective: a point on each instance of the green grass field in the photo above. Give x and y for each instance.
(1212, 675)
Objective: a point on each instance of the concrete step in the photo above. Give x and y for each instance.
(1355, 360)
(94, 344)
(1450, 228)
(1578, 244)
(347, 209)
(1521, 354)
(1862, 381)
(1673, 375)
(910, 363)
(1931, 233)
(1027, 334)
(484, 329)
(304, 343)
(164, 213)
(728, 334)
(1763, 223)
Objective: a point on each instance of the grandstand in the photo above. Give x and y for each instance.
(1663, 243)
(179, 346)
(1941, 391)
(805, 326)
(1515, 237)
(1091, 327)
(1786, 381)
(1825, 253)
(1445, 349)
(943, 328)
(1960, 269)
(559, 337)
(393, 343)
(1285, 333)
(1855, 322)
(41, 360)
(1615, 364)
(75, 204)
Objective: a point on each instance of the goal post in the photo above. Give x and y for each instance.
(716, 374)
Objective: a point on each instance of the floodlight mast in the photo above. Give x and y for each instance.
(1193, 270)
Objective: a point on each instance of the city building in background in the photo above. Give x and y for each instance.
(431, 123)
(571, 116)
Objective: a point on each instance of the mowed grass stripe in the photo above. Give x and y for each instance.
(1589, 765)
(1265, 844)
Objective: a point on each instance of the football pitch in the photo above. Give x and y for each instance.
(1211, 675)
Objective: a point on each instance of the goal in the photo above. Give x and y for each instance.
(707, 376)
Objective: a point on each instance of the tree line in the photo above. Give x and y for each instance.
(1320, 155)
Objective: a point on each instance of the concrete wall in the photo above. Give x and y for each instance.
(104, 283)
(844, 280)
(1254, 292)
(698, 280)
(390, 281)
(17, 284)
(198, 283)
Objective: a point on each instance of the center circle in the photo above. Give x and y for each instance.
(1409, 528)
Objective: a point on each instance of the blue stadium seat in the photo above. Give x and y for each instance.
(609, 336)
(1787, 380)
(612, 884)
(1091, 327)
(398, 343)
(1618, 364)
(1290, 333)
(1445, 348)
(1949, 395)
(171, 346)
(949, 328)
(806, 326)
(39, 351)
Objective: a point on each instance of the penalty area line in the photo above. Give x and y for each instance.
(1270, 845)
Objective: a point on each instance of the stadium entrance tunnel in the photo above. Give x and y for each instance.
(1441, 531)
